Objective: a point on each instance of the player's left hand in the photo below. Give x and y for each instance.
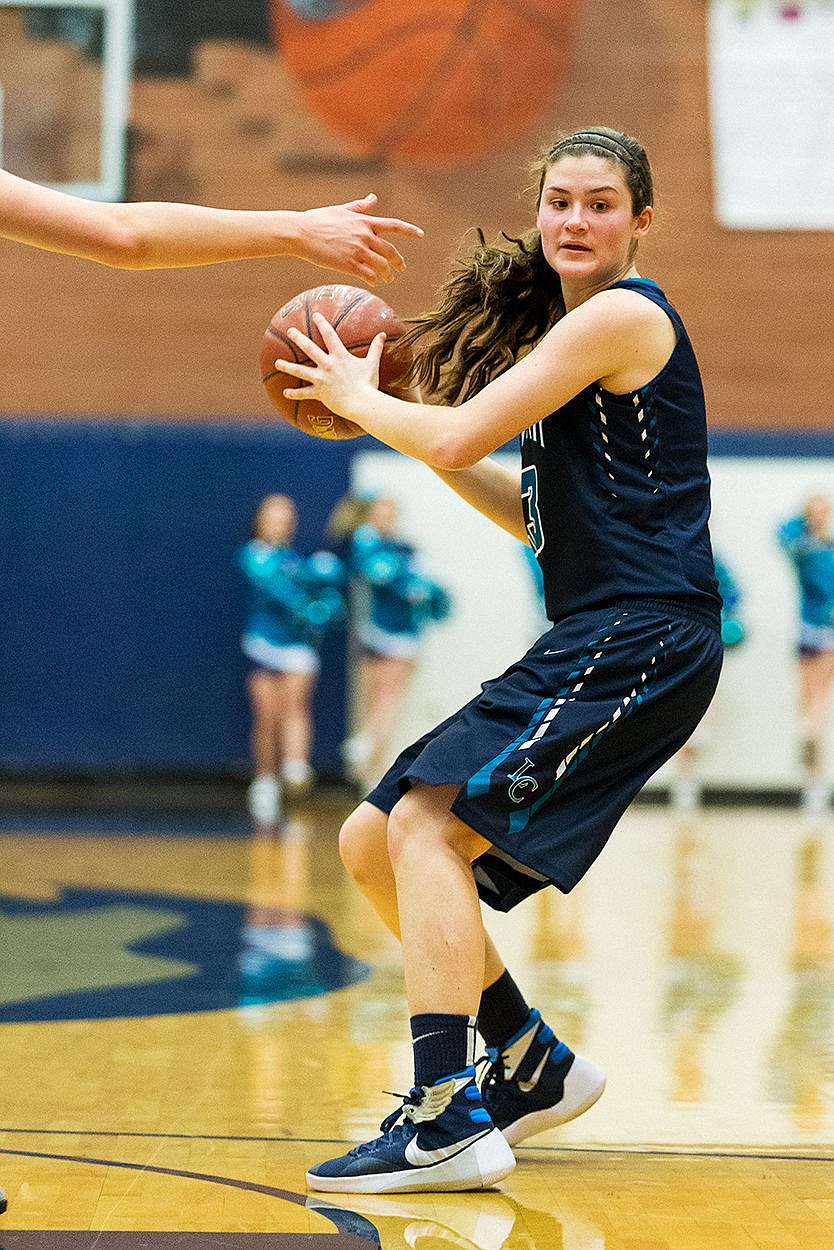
(335, 377)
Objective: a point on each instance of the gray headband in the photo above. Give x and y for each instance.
(603, 143)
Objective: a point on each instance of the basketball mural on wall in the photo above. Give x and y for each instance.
(430, 83)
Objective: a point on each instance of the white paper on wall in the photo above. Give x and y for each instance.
(771, 82)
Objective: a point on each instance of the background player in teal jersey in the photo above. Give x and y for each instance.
(557, 339)
(392, 603)
(160, 235)
(293, 601)
(808, 541)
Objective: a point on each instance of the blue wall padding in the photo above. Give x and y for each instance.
(123, 607)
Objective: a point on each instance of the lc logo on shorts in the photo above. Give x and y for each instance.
(524, 785)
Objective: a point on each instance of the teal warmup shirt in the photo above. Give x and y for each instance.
(292, 598)
(401, 598)
(813, 562)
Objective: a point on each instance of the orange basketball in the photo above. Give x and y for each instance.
(427, 82)
(357, 317)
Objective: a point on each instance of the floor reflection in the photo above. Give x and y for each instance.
(285, 951)
(487, 1221)
(695, 963)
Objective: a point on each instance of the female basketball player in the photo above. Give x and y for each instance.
(166, 236)
(558, 340)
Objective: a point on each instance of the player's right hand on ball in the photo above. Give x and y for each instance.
(336, 377)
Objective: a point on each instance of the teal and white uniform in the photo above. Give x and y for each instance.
(394, 600)
(293, 600)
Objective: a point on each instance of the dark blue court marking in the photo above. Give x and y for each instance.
(354, 1231)
(155, 820)
(100, 954)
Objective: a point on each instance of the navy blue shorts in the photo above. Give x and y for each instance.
(551, 753)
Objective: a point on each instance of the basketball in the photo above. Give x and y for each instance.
(429, 83)
(357, 317)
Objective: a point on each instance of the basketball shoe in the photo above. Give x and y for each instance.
(446, 1141)
(535, 1082)
(3, 1203)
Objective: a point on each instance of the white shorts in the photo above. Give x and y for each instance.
(379, 642)
(293, 658)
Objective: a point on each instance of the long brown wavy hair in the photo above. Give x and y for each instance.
(497, 303)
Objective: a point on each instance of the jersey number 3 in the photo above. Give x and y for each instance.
(530, 504)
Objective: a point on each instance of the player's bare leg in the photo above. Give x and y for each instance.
(816, 677)
(297, 729)
(264, 794)
(363, 845)
(442, 932)
(517, 1038)
(442, 1137)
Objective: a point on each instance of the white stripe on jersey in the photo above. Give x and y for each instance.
(535, 433)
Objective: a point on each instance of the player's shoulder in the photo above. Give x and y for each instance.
(644, 302)
(621, 315)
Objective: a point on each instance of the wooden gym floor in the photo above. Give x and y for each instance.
(190, 1015)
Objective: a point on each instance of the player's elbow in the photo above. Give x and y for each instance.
(129, 251)
(122, 246)
(454, 451)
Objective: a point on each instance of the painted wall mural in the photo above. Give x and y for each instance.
(431, 83)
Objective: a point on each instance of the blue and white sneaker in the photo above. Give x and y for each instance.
(446, 1141)
(535, 1082)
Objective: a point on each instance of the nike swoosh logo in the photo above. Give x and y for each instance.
(420, 1158)
(526, 1086)
(423, 1036)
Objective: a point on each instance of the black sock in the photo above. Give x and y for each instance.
(443, 1044)
(503, 1011)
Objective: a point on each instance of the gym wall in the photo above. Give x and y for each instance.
(135, 437)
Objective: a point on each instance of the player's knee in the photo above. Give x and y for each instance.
(361, 843)
(400, 829)
(422, 822)
(414, 824)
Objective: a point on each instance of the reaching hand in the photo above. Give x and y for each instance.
(344, 237)
(335, 377)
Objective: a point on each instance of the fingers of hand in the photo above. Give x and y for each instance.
(297, 370)
(331, 339)
(394, 225)
(386, 256)
(320, 356)
(377, 347)
(362, 205)
(297, 392)
(307, 346)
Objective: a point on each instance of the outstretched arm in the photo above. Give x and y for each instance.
(160, 235)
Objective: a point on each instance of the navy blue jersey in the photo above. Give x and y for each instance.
(616, 489)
